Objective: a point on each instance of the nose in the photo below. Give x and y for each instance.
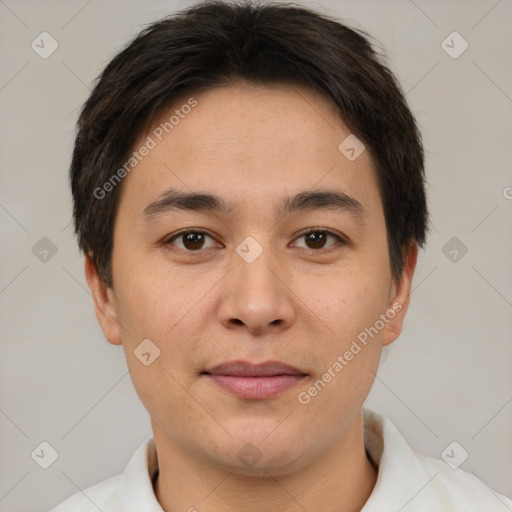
(257, 296)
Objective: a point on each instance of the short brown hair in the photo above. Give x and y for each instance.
(215, 43)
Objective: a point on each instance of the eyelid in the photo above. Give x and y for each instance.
(186, 230)
(341, 238)
(169, 239)
(325, 230)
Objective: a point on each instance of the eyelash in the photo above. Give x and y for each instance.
(168, 241)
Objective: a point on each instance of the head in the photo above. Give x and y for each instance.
(248, 184)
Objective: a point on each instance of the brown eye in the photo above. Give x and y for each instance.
(316, 239)
(190, 240)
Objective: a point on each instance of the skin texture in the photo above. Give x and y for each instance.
(295, 303)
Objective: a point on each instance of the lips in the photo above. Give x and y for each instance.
(244, 369)
(255, 382)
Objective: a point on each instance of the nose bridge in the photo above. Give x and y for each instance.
(257, 296)
(256, 266)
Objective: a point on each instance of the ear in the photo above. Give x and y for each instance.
(104, 303)
(400, 294)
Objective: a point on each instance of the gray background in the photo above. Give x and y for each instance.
(446, 379)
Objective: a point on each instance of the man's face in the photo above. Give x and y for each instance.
(252, 285)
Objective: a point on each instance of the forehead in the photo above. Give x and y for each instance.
(267, 141)
(278, 119)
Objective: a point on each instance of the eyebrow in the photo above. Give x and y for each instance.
(175, 200)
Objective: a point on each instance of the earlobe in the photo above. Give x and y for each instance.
(399, 302)
(104, 303)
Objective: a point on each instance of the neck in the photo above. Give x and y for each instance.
(339, 480)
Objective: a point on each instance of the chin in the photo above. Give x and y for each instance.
(264, 472)
(263, 468)
(266, 459)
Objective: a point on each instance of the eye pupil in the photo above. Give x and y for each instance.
(318, 239)
(193, 240)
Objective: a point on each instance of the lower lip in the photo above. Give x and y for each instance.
(256, 388)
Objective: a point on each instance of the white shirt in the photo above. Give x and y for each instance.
(406, 482)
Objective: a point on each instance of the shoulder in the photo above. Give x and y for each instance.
(103, 496)
(415, 482)
(130, 491)
(457, 489)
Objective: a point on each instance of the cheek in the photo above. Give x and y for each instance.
(348, 355)
(350, 298)
(347, 359)
(155, 302)
(163, 312)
